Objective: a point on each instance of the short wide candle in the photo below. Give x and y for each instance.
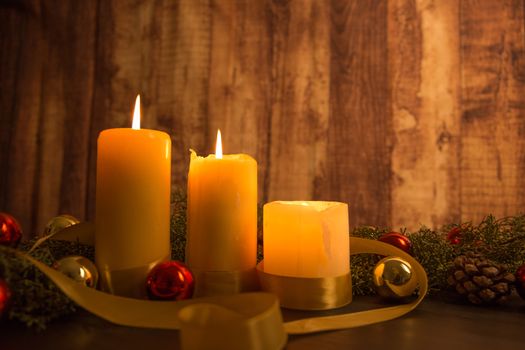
(306, 239)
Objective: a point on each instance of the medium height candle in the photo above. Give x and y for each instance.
(133, 206)
(222, 213)
(306, 239)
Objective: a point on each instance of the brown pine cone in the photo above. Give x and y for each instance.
(480, 280)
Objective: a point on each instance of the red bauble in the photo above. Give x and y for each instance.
(170, 280)
(520, 281)
(10, 230)
(397, 240)
(454, 235)
(5, 296)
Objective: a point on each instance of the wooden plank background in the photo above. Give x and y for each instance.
(412, 111)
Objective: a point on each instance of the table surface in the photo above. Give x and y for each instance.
(433, 325)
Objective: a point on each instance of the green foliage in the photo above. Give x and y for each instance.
(36, 300)
(430, 248)
(178, 226)
(363, 264)
(502, 241)
(434, 253)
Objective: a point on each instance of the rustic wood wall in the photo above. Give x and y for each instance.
(410, 110)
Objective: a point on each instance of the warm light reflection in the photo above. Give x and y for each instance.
(136, 114)
(218, 146)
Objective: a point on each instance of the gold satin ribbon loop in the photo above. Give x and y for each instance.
(363, 318)
(307, 293)
(250, 320)
(254, 324)
(241, 321)
(128, 282)
(82, 232)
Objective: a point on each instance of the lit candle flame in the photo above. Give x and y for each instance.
(136, 115)
(218, 146)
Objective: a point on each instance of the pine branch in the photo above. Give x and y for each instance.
(37, 301)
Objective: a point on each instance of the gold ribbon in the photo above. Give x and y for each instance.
(241, 321)
(209, 283)
(127, 282)
(363, 318)
(323, 293)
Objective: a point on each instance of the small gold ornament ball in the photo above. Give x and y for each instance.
(394, 278)
(58, 223)
(78, 268)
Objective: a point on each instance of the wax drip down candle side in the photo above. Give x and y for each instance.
(222, 214)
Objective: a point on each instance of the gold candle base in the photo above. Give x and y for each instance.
(127, 282)
(212, 283)
(303, 293)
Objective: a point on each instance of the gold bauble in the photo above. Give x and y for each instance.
(394, 278)
(58, 223)
(78, 268)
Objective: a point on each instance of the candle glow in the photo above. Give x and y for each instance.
(306, 238)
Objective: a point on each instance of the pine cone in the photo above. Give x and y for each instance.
(480, 280)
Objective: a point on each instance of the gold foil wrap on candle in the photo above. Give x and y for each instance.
(240, 322)
(128, 282)
(224, 282)
(306, 293)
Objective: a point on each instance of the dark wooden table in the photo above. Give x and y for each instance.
(434, 325)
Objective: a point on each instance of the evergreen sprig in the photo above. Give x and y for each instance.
(178, 226)
(500, 240)
(36, 301)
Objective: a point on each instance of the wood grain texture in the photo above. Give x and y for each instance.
(300, 98)
(48, 140)
(20, 98)
(359, 135)
(182, 83)
(424, 82)
(239, 101)
(493, 108)
(409, 110)
(66, 112)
